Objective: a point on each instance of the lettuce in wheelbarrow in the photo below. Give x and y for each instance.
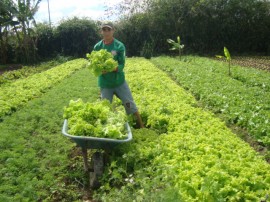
(97, 119)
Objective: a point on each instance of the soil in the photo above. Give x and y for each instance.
(257, 62)
(10, 67)
(257, 146)
(254, 62)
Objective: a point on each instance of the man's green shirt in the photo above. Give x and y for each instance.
(113, 79)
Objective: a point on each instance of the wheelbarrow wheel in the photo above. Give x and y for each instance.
(97, 163)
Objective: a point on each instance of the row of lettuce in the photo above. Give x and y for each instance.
(10, 76)
(243, 99)
(37, 163)
(187, 154)
(250, 76)
(19, 92)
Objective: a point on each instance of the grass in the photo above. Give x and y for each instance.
(35, 159)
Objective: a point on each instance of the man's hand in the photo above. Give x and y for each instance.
(115, 70)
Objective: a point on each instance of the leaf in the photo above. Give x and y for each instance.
(227, 53)
(219, 56)
(176, 45)
(170, 41)
(178, 40)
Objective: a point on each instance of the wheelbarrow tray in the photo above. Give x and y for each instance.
(88, 142)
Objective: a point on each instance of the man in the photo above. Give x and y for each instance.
(113, 83)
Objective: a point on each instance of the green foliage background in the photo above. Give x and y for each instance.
(205, 26)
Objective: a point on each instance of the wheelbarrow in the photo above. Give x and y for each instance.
(97, 159)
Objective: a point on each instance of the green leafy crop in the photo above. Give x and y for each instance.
(19, 92)
(101, 61)
(241, 103)
(95, 119)
(187, 154)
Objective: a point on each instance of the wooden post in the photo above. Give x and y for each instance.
(85, 159)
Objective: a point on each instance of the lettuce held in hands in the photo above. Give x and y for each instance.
(100, 61)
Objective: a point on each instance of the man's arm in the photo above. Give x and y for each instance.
(121, 59)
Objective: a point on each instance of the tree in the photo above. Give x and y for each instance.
(6, 22)
(205, 26)
(17, 17)
(47, 44)
(26, 9)
(77, 36)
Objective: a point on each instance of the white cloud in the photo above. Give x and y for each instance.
(60, 9)
(94, 14)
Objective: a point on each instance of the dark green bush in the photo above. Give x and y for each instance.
(77, 36)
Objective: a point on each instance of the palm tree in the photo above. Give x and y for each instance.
(18, 17)
(6, 21)
(26, 9)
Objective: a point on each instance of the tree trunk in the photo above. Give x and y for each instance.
(20, 43)
(25, 43)
(4, 48)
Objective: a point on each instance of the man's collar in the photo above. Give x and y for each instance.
(109, 42)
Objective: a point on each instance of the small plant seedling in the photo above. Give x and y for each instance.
(176, 45)
(228, 58)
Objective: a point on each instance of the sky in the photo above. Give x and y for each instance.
(62, 9)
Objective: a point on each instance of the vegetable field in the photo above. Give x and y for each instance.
(186, 153)
(242, 99)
